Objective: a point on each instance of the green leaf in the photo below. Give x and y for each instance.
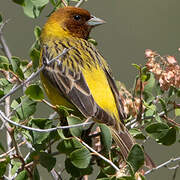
(15, 63)
(177, 112)
(163, 104)
(20, 2)
(75, 171)
(1, 19)
(40, 3)
(72, 120)
(2, 168)
(71, 169)
(24, 107)
(178, 92)
(1, 93)
(34, 92)
(157, 130)
(101, 175)
(16, 67)
(93, 41)
(171, 91)
(5, 85)
(61, 133)
(80, 157)
(22, 175)
(4, 63)
(35, 56)
(144, 77)
(45, 159)
(136, 133)
(150, 111)
(64, 111)
(31, 10)
(106, 136)
(37, 32)
(127, 178)
(68, 145)
(137, 66)
(40, 123)
(16, 166)
(27, 72)
(150, 84)
(109, 170)
(136, 157)
(36, 175)
(169, 138)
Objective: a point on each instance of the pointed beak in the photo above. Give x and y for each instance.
(94, 21)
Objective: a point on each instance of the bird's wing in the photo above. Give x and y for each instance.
(117, 97)
(72, 85)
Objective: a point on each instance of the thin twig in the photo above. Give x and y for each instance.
(6, 153)
(55, 175)
(96, 153)
(79, 3)
(161, 114)
(7, 99)
(162, 165)
(64, 3)
(175, 171)
(2, 116)
(33, 75)
(3, 42)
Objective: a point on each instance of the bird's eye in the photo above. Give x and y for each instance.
(77, 17)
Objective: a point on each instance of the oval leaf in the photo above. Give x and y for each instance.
(80, 157)
(157, 130)
(72, 120)
(35, 92)
(106, 136)
(169, 138)
(69, 145)
(136, 157)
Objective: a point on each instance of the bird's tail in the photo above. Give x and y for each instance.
(125, 141)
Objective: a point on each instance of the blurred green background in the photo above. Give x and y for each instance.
(132, 27)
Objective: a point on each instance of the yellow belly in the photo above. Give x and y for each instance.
(100, 90)
(53, 94)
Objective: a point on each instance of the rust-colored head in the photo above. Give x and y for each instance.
(73, 21)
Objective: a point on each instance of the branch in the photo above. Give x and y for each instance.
(33, 75)
(162, 165)
(96, 153)
(79, 3)
(7, 99)
(42, 130)
(161, 114)
(3, 42)
(64, 3)
(6, 153)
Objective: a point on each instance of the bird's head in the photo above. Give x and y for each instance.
(73, 21)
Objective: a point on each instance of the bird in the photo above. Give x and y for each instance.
(81, 79)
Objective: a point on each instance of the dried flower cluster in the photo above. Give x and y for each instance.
(165, 69)
(131, 104)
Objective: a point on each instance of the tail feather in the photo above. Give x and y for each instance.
(125, 141)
